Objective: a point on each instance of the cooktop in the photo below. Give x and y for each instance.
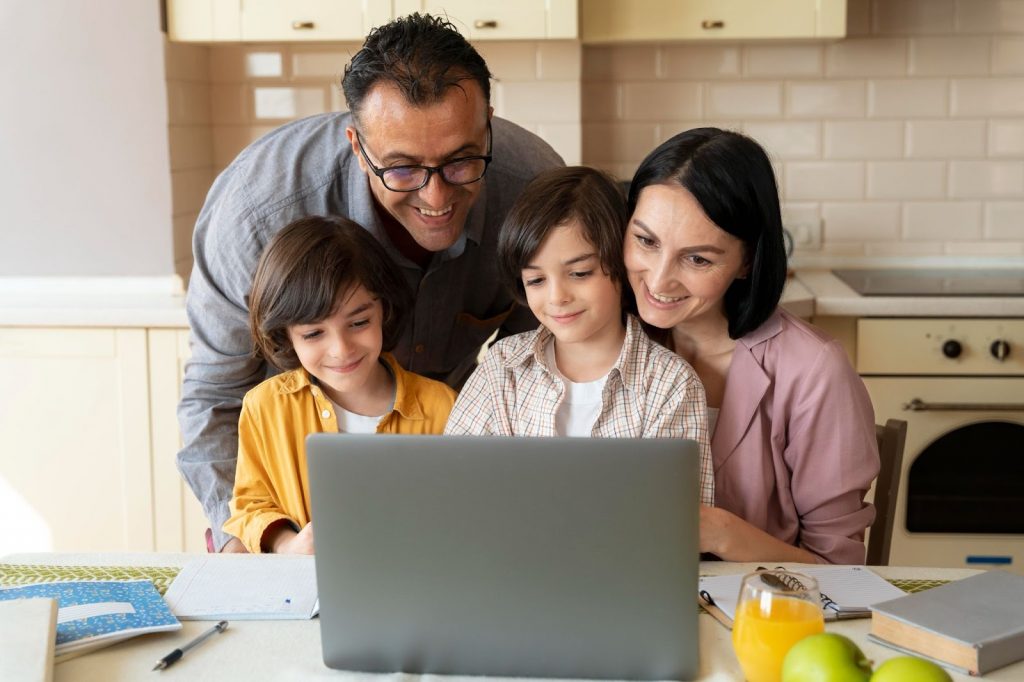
(934, 282)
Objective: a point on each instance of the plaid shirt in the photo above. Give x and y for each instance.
(650, 393)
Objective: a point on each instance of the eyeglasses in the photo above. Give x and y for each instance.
(462, 171)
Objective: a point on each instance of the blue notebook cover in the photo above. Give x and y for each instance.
(91, 614)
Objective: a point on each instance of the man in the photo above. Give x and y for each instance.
(408, 164)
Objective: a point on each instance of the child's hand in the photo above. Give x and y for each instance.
(298, 543)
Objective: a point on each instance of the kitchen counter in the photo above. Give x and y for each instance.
(833, 297)
(122, 302)
(160, 302)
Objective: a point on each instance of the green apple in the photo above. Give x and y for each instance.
(826, 657)
(910, 669)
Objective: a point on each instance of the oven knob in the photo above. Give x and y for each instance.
(1000, 349)
(952, 349)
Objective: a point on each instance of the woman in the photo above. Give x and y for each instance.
(793, 435)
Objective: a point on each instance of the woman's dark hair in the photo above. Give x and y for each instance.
(304, 269)
(555, 198)
(732, 179)
(421, 54)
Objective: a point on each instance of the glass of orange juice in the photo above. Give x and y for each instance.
(775, 610)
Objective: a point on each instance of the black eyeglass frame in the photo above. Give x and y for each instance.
(379, 172)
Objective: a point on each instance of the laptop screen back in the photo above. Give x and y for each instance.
(535, 557)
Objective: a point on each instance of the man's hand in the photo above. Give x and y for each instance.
(234, 546)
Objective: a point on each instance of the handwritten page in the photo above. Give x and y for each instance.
(245, 587)
(847, 591)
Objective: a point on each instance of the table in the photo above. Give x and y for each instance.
(290, 650)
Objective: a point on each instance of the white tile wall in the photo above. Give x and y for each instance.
(1006, 138)
(905, 98)
(942, 220)
(744, 100)
(988, 97)
(950, 56)
(1004, 220)
(787, 139)
(906, 179)
(824, 180)
(866, 57)
(863, 139)
(906, 137)
(946, 139)
(826, 99)
(660, 101)
(792, 61)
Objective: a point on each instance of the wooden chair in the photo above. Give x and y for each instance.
(891, 439)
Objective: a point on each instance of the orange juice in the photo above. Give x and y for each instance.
(761, 637)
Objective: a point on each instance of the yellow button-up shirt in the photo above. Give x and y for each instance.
(272, 479)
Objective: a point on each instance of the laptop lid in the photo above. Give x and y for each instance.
(532, 557)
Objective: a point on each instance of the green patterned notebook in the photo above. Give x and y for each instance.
(30, 574)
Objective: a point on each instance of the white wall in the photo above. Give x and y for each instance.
(84, 167)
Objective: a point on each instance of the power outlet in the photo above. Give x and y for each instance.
(806, 233)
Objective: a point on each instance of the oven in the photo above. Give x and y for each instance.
(959, 384)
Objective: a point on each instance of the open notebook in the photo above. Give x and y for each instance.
(846, 591)
(245, 587)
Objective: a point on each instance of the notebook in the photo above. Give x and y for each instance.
(975, 625)
(245, 587)
(27, 635)
(511, 557)
(846, 591)
(93, 614)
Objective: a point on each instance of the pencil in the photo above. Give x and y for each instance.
(714, 611)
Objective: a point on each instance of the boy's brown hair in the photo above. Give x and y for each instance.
(554, 198)
(303, 271)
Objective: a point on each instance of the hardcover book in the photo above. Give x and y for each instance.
(27, 628)
(975, 624)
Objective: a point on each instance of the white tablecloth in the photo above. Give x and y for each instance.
(290, 650)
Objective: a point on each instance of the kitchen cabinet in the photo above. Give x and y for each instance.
(178, 519)
(351, 20)
(89, 437)
(502, 20)
(301, 20)
(75, 437)
(611, 21)
(203, 21)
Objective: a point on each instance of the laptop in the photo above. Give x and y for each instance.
(511, 557)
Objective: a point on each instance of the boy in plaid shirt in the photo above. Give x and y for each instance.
(589, 370)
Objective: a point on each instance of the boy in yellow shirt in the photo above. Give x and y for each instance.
(326, 304)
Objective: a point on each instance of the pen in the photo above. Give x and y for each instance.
(170, 658)
(714, 610)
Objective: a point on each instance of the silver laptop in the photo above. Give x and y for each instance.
(512, 557)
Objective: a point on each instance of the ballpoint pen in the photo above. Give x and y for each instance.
(170, 658)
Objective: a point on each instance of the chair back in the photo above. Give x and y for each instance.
(891, 439)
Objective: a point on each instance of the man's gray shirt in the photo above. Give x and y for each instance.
(307, 168)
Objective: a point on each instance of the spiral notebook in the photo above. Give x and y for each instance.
(846, 591)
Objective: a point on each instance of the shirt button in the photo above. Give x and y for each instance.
(420, 348)
(325, 414)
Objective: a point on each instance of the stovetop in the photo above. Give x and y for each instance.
(934, 282)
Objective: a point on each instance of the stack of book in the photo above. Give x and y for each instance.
(974, 625)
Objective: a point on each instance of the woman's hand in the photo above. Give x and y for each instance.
(729, 537)
(281, 538)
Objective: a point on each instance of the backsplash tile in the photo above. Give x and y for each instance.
(866, 57)
(950, 56)
(905, 138)
(906, 179)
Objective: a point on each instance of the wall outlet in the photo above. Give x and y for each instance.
(806, 233)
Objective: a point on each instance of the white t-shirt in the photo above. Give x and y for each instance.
(350, 422)
(712, 419)
(581, 405)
